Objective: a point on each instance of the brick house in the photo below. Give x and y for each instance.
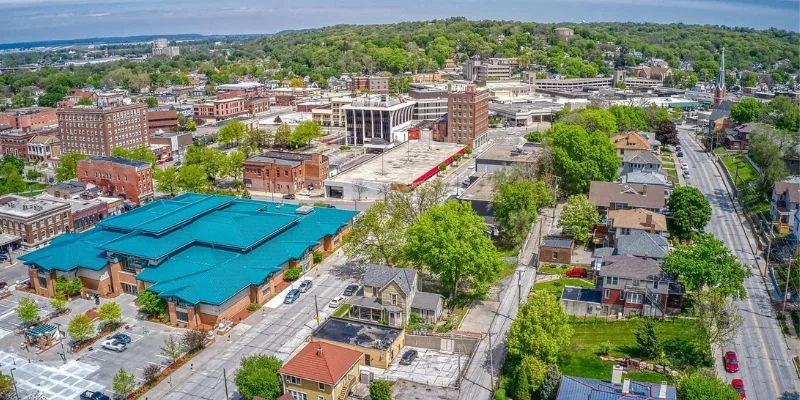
(285, 172)
(118, 177)
(556, 250)
(321, 371)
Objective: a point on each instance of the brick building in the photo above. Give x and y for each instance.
(220, 109)
(285, 172)
(467, 118)
(164, 120)
(27, 119)
(44, 146)
(95, 131)
(556, 250)
(177, 141)
(370, 84)
(36, 221)
(119, 177)
(85, 213)
(14, 142)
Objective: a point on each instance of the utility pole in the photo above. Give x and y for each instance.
(316, 309)
(16, 392)
(225, 380)
(491, 362)
(786, 289)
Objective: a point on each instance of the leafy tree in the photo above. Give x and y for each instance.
(296, 82)
(109, 313)
(234, 164)
(746, 110)
(593, 120)
(33, 175)
(580, 157)
(167, 180)
(140, 153)
(9, 162)
(768, 146)
(172, 348)
(534, 137)
(151, 102)
(782, 113)
(68, 166)
(28, 310)
(150, 303)
(150, 372)
(380, 390)
(6, 384)
(629, 118)
(701, 386)
(646, 338)
(541, 329)
(21, 100)
(515, 208)
(52, 95)
(59, 301)
(550, 384)
(85, 101)
(377, 235)
(578, 217)
(233, 132)
(283, 135)
(193, 178)
(707, 264)
(304, 133)
(69, 287)
(123, 383)
(450, 240)
(258, 376)
(717, 314)
(256, 139)
(80, 328)
(691, 210)
(667, 133)
(14, 183)
(528, 377)
(193, 339)
(189, 126)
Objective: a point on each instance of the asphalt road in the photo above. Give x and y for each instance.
(764, 358)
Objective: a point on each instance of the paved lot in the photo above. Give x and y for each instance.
(55, 380)
(430, 368)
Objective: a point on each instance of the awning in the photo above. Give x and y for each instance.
(41, 330)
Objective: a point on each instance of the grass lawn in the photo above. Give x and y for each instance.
(507, 269)
(552, 269)
(581, 357)
(557, 286)
(746, 171)
(342, 310)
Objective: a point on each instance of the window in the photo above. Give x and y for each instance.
(394, 299)
(321, 386)
(608, 280)
(298, 395)
(655, 284)
(182, 316)
(294, 380)
(634, 298)
(555, 255)
(606, 293)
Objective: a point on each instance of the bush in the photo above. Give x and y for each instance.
(292, 274)
(150, 372)
(193, 339)
(253, 307)
(317, 256)
(605, 347)
(534, 137)
(380, 390)
(344, 148)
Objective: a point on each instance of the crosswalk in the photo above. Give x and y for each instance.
(53, 380)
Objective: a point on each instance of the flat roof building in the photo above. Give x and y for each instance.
(96, 131)
(36, 221)
(500, 156)
(118, 177)
(467, 117)
(285, 172)
(379, 343)
(378, 121)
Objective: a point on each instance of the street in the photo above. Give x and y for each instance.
(765, 361)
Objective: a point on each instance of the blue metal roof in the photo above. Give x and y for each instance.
(575, 388)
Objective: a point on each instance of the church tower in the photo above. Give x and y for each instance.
(719, 91)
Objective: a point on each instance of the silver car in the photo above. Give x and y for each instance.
(111, 344)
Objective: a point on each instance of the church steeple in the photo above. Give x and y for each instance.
(719, 90)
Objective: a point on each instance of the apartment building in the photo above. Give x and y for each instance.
(36, 221)
(285, 172)
(431, 102)
(161, 47)
(220, 109)
(476, 70)
(95, 131)
(467, 117)
(26, 119)
(118, 177)
(370, 84)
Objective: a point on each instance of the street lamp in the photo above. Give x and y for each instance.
(16, 392)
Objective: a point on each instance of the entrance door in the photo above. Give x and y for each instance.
(366, 359)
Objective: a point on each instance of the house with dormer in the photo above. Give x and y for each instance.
(389, 296)
(608, 196)
(630, 143)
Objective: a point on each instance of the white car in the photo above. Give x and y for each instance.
(336, 302)
(111, 344)
(684, 166)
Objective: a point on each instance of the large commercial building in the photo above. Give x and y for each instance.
(218, 110)
(95, 131)
(467, 117)
(118, 177)
(431, 102)
(208, 257)
(28, 118)
(332, 115)
(162, 120)
(476, 70)
(36, 221)
(378, 121)
(14, 142)
(370, 84)
(161, 47)
(285, 172)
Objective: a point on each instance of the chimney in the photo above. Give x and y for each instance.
(662, 390)
(648, 220)
(616, 374)
(644, 190)
(319, 351)
(626, 386)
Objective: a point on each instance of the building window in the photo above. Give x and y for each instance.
(294, 380)
(555, 255)
(655, 284)
(43, 282)
(298, 395)
(394, 299)
(182, 316)
(634, 298)
(614, 280)
(321, 386)
(606, 293)
(130, 289)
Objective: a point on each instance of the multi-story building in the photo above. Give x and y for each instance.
(321, 371)
(119, 177)
(85, 214)
(14, 142)
(378, 121)
(96, 131)
(161, 47)
(163, 120)
(607, 196)
(218, 110)
(370, 84)
(177, 141)
(476, 70)
(26, 119)
(116, 97)
(246, 90)
(784, 203)
(36, 221)
(630, 143)
(564, 32)
(431, 102)
(467, 117)
(285, 172)
(44, 147)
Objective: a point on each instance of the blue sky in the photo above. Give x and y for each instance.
(28, 20)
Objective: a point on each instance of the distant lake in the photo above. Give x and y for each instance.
(28, 20)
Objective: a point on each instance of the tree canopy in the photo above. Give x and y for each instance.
(541, 328)
(578, 217)
(140, 153)
(258, 376)
(516, 205)
(706, 263)
(68, 166)
(690, 209)
(580, 157)
(701, 386)
(747, 110)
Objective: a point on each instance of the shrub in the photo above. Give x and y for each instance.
(605, 347)
(292, 274)
(253, 307)
(317, 256)
(193, 339)
(380, 390)
(534, 137)
(344, 148)
(150, 372)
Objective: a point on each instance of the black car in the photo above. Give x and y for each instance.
(121, 337)
(350, 290)
(288, 196)
(408, 357)
(90, 395)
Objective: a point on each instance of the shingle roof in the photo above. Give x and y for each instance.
(321, 362)
(637, 219)
(643, 244)
(426, 301)
(791, 187)
(581, 294)
(630, 141)
(557, 242)
(602, 194)
(632, 268)
(641, 157)
(574, 388)
(380, 275)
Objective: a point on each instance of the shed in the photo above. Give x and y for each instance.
(556, 250)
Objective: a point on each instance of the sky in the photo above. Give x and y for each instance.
(32, 20)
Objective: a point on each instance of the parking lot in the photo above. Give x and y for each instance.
(430, 367)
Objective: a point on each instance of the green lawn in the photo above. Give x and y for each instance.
(557, 286)
(552, 269)
(581, 357)
(747, 173)
(342, 310)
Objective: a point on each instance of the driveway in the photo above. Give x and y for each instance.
(431, 368)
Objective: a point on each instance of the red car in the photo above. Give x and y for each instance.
(738, 385)
(731, 362)
(577, 272)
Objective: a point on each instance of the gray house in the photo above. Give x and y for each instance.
(643, 161)
(390, 295)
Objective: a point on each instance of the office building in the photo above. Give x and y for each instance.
(285, 172)
(36, 221)
(467, 117)
(370, 84)
(96, 131)
(431, 102)
(377, 121)
(118, 177)
(14, 142)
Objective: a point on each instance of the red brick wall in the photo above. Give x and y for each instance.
(117, 179)
(281, 177)
(546, 255)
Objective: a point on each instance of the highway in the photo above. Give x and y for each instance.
(765, 361)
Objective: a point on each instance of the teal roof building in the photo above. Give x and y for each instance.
(194, 249)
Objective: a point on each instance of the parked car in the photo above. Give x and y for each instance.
(731, 362)
(738, 385)
(336, 302)
(680, 154)
(120, 337)
(90, 395)
(331, 206)
(305, 285)
(687, 174)
(111, 344)
(678, 148)
(291, 297)
(350, 290)
(577, 272)
(408, 357)
(684, 166)
(288, 196)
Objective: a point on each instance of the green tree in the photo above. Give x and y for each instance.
(59, 301)
(377, 235)
(690, 209)
(234, 163)
(28, 310)
(578, 217)
(151, 102)
(541, 329)
(68, 166)
(189, 126)
(167, 180)
(296, 82)
(256, 139)
(52, 95)
(172, 348)
(649, 344)
(717, 315)
(14, 183)
(80, 328)
(283, 135)
(580, 157)
(746, 110)
(233, 132)
(193, 178)
(140, 153)
(550, 384)
(450, 240)
(109, 313)
(706, 263)
(593, 120)
(304, 133)
(702, 386)
(782, 113)
(528, 377)
(515, 207)
(123, 383)
(629, 118)
(258, 376)
(6, 384)
(85, 101)
(150, 303)
(380, 390)
(667, 133)
(33, 175)
(69, 287)
(21, 100)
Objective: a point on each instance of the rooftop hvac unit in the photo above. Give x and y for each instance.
(366, 377)
(304, 210)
